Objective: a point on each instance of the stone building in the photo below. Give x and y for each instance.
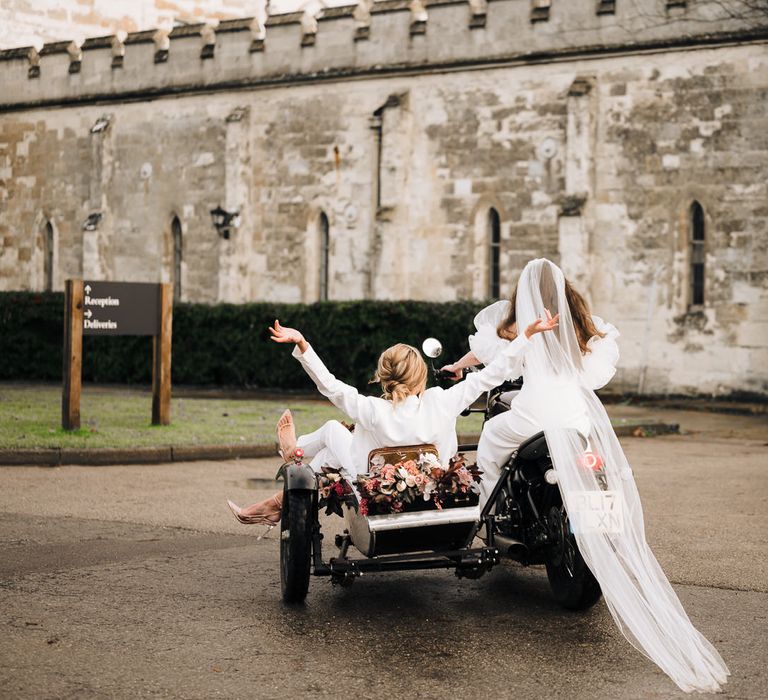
(24, 23)
(415, 150)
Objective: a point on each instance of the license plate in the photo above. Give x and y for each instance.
(596, 511)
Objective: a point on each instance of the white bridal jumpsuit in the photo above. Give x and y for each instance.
(558, 396)
(429, 418)
(544, 401)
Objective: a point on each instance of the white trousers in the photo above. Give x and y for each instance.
(329, 446)
(503, 434)
(500, 437)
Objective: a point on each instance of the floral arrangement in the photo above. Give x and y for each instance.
(419, 484)
(334, 491)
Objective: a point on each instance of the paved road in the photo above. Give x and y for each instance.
(133, 581)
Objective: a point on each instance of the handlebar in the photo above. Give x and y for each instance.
(441, 375)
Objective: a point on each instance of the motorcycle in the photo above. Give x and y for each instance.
(524, 520)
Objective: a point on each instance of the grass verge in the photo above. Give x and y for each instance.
(30, 418)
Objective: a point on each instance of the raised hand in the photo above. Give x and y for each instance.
(283, 334)
(541, 325)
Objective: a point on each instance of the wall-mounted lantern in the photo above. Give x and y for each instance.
(92, 222)
(225, 221)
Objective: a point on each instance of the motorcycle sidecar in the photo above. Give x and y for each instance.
(423, 539)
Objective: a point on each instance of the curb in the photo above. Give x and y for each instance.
(57, 456)
(99, 457)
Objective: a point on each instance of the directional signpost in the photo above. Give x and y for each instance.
(121, 308)
(116, 308)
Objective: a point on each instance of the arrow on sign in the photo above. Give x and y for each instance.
(87, 288)
(88, 313)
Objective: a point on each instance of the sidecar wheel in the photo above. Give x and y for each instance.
(295, 545)
(573, 585)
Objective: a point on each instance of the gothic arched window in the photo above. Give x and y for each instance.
(494, 241)
(48, 261)
(697, 254)
(325, 246)
(178, 255)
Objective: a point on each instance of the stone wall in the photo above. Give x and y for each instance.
(33, 22)
(593, 160)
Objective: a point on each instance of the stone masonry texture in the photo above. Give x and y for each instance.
(590, 135)
(24, 22)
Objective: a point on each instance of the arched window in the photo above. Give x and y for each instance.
(178, 253)
(48, 261)
(697, 256)
(494, 241)
(325, 245)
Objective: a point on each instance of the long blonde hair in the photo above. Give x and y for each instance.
(401, 371)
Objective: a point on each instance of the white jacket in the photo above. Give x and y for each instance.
(598, 365)
(429, 418)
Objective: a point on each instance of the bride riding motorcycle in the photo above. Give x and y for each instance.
(561, 370)
(533, 408)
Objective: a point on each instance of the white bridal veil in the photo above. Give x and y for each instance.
(604, 505)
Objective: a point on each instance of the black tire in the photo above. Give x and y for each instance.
(573, 585)
(295, 545)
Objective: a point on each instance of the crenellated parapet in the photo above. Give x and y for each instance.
(368, 38)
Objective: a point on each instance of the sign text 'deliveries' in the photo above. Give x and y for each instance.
(121, 308)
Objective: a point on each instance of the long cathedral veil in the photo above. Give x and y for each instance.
(604, 507)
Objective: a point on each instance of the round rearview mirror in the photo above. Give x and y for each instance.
(432, 347)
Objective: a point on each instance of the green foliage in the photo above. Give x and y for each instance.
(31, 335)
(228, 344)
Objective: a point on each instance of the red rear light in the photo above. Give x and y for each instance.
(591, 460)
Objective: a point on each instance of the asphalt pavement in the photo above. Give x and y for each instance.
(135, 581)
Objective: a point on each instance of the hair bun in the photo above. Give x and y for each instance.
(401, 371)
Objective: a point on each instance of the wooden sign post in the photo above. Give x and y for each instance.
(161, 360)
(117, 308)
(73, 354)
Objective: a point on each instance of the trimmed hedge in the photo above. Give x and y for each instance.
(228, 344)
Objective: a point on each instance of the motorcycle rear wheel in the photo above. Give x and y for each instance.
(295, 545)
(573, 585)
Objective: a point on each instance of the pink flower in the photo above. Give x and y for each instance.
(411, 467)
(363, 506)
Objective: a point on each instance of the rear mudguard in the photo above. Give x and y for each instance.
(297, 477)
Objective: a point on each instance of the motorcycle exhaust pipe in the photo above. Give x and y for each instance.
(514, 549)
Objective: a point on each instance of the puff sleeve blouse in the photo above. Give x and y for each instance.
(598, 365)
